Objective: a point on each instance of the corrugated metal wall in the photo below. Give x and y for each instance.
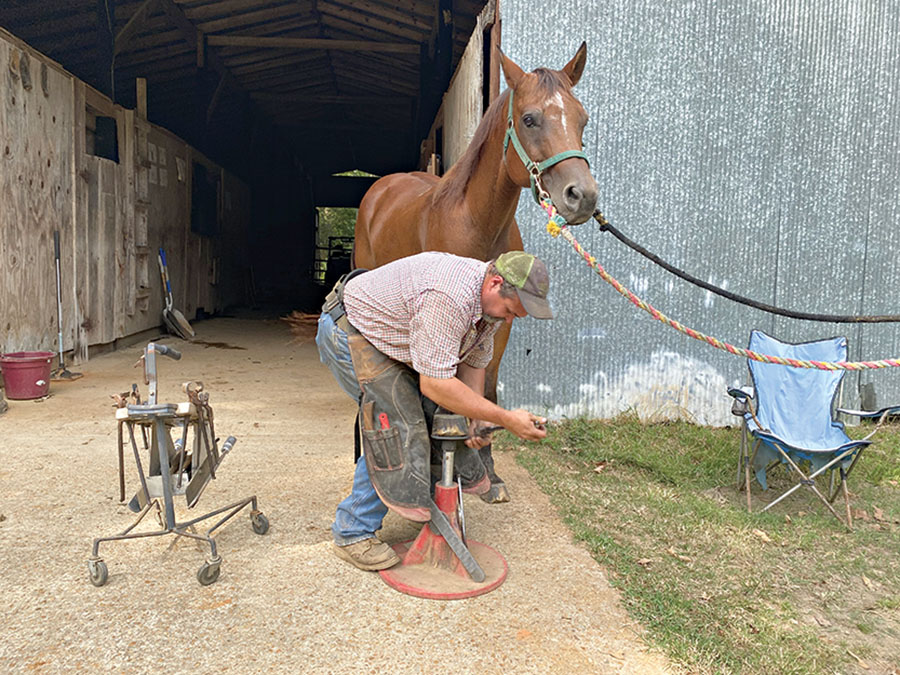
(755, 145)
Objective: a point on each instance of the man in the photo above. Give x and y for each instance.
(402, 339)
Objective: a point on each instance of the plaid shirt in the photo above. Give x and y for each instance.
(425, 311)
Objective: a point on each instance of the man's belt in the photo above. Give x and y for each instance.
(334, 301)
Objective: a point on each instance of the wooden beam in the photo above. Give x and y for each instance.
(333, 100)
(140, 84)
(201, 50)
(333, 14)
(237, 20)
(103, 67)
(134, 24)
(177, 18)
(215, 99)
(312, 43)
(315, 127)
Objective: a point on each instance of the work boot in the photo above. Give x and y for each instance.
(368, 554)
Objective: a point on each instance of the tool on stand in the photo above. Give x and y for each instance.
(173, 470)
(440, 563)
(175, 321)
(61, 372)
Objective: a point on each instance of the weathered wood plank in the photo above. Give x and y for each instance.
(34, 187)
(80, 183)
(313, 43)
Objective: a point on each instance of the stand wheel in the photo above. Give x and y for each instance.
(209, 573)
(98, 571)
(259, 522)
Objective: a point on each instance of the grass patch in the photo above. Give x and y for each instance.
(718, 589)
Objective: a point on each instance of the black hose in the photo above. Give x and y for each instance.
(829, 318)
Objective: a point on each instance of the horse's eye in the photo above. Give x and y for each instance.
(529, 121)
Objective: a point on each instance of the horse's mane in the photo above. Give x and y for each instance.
(452, 186)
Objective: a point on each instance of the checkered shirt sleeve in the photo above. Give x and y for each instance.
(441, 336)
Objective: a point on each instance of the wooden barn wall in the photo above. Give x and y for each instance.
(112, 216)
(36, 194)
(462, 105)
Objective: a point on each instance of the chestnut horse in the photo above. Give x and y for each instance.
(470, 211)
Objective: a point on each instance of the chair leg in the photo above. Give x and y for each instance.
(744, 463)
(808, 482)
(747, 482)
(846, 498)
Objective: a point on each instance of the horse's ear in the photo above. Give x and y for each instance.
(575, 67)
(511, 71)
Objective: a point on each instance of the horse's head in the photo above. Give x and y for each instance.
(545, 139)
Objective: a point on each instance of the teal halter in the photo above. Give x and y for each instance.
(535, 169)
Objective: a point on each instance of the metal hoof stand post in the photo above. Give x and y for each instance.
(173, 469)
(440, 563)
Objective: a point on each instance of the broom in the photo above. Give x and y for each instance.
(61, 373)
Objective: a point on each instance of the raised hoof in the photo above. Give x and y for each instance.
(496, 495)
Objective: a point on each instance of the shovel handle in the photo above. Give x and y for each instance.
(164, 268)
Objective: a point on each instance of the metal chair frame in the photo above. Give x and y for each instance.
(744, 406)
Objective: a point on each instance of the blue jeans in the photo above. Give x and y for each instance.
(360, 515)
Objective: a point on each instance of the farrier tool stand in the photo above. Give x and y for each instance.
(172, 469)
(440, 563)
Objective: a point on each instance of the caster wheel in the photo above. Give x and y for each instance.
(98, 571)
(259, 522)
(209, 573)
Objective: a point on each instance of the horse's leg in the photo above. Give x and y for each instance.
(498, 492)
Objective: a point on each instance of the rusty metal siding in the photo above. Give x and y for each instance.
(754, 145)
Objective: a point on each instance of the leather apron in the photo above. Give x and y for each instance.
(395, 419)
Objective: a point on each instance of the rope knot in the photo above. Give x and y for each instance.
(555, 222)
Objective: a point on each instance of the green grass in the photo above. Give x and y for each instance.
(657, 506)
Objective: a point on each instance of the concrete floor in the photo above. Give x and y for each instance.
(283, 602)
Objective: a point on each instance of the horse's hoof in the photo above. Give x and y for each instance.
(496, 495)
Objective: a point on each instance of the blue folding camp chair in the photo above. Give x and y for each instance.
(789, 413)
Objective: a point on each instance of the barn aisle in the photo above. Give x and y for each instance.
(283, 602)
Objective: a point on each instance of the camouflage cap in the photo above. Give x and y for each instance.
(530, 278)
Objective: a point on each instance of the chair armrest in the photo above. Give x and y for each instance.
(881, 415)
(870, 414)
(742, 398)
(741, 393)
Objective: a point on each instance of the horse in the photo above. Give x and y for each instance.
(470, 211)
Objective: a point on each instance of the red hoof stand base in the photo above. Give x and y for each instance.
(430, 569)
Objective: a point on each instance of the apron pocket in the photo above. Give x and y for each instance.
(384, 444)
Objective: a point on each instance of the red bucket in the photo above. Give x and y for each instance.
(26, 374)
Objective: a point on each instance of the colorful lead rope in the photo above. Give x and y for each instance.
(556, 225)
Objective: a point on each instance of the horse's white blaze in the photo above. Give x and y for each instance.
(556, 101)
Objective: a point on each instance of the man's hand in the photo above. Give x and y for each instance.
(526, 426)
(480, 433)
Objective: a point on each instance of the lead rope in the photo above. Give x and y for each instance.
(556, 226)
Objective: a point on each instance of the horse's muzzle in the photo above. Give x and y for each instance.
(578, 201)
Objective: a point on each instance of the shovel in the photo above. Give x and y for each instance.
(61, 373)
(175, 321)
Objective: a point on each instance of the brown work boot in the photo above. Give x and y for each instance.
(368, 554)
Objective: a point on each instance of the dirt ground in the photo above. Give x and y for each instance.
(283, 602)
